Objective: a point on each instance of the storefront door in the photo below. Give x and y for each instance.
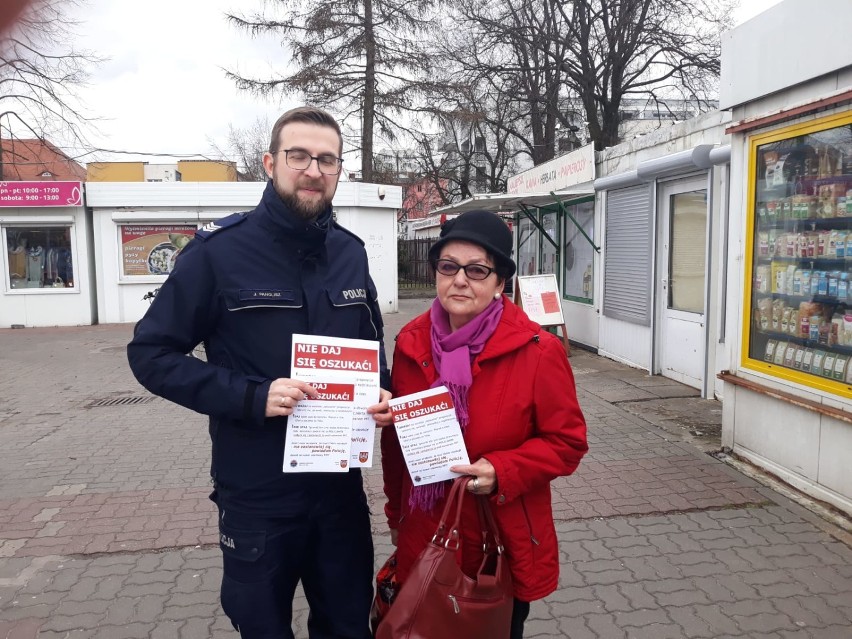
(682, 268)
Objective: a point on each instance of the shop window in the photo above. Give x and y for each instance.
(549, 251)
(527, 246)
(39, 257)
(151, 249)
(578, 253)
(799, 293)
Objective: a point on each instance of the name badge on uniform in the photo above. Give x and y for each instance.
(247, 294)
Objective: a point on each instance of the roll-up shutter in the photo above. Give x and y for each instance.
(627, 258)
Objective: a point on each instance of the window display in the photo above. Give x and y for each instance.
(578, 254)
(526, 247)
(549, 254)
(39, 257)
(801, 280)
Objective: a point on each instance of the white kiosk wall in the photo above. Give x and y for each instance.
(151, 212)
(45, 269)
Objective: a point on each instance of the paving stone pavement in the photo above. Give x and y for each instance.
(106, 530)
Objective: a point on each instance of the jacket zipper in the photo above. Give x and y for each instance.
(529, 523)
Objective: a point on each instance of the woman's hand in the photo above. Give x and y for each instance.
(284, 394)
(381, 412)
(483, 473)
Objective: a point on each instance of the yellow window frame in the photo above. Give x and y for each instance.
(746, 362)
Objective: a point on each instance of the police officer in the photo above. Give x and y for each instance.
(243, 287)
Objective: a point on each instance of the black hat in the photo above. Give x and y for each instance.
(483, 228)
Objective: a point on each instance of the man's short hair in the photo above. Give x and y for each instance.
(307, 114)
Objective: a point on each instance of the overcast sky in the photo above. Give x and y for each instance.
(162, 89)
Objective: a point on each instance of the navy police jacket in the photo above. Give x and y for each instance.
(243, 286)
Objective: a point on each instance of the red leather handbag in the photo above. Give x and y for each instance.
(438, 600)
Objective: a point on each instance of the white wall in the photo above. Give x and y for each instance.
(810, 450)
(625, 342)
(49, 306)
(582, 321)
(362, 208)
(377, 228)
(631, 343)
(788, 44)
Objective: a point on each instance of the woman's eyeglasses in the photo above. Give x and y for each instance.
(472, 271)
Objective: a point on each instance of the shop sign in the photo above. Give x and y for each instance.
(151, 249)
(41, 194)
(572, 168)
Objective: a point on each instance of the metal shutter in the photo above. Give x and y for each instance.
(627, 256)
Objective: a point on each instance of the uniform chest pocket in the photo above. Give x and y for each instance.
(352, 307)
(349, 297)
(260, 297)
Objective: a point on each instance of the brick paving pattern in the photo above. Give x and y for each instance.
(106, 530)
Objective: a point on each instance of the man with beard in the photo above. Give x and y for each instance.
(243, 286)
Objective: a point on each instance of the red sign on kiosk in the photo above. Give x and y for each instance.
(41, 194)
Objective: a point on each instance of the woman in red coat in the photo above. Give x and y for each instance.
(515, 400)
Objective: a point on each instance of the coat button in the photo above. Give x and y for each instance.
(425, 364)
(501, 499)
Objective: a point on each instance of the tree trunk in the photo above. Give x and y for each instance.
(369, 105)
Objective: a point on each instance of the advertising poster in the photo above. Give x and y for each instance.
(539, 295)
(151, 249)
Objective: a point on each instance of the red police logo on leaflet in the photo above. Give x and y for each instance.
(363, 456)
(344, 463)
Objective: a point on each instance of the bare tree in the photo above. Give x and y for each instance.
(351, 57)
(246, 147)
(463, 153)
(570, 63)
(506, 49)
(39, 72)
(640, 48)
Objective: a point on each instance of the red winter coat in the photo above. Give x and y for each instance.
(524, 419)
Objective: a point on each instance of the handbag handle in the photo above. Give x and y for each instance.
(456, 496)
(489, 524)
(486, 518)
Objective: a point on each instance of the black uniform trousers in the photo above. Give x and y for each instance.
(327, 545)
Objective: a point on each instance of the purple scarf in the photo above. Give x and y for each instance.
(453, 353)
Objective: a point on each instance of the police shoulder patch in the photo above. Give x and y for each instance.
(348, 232)
(210, 228)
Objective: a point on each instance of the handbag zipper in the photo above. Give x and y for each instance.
(470, 600)
(455, 604)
